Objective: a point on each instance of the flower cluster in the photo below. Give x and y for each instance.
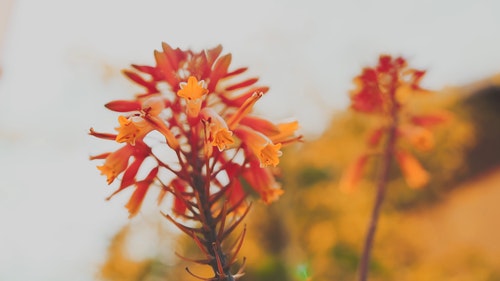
(193, 126)
(191, 100)
(384, 91)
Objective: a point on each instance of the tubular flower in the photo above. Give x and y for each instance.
(192, 92)
(116, 163)
(193, 117)
(353, 174)
(263, 182)
(415, 175)
(218, 131)
(260, 145)
(286, 133)
(243, 110)
(421, 138)
(129, 131)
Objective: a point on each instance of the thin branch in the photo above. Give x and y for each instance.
(197, 276)
(200, 245)
(220, 268)
(235, 224)
(200, 261)
(223, 215)
(237, 246)
(186, 229)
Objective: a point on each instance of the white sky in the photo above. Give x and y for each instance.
(61, 62)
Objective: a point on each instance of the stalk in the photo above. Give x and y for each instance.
(211, 243)
(387, 158)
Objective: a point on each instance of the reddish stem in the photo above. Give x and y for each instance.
(387, 157)
(212, 244)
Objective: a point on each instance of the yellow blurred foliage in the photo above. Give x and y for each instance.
(326, 226)
(119, 266)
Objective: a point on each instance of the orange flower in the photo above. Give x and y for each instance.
(206, 184)
(260, 124)
(385, 90)
(116, 163)
(194, 118)
(352, 175)
(218, 131)
(192, 91)
(129, 131)
(263, 182)
(260, 145)
(419, 137)
(243, 110)
(415, 175)
(286, 131)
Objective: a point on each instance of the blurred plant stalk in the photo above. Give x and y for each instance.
(385, 92)
(387, 158)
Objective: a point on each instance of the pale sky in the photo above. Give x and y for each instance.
(61, 62)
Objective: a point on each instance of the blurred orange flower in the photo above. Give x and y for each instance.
(384, 91)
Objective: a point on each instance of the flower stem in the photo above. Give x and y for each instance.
(211, 243)
(387, 157)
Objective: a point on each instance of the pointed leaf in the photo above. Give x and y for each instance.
(166, 69)
(123, 105)
(218, 71)
(139, 80)
(243, 84)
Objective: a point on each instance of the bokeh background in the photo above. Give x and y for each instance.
(61, 60)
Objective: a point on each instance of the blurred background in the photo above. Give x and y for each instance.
(60, 63)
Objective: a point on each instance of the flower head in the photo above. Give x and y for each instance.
(194, 116)
(386, 90)
(191, 118)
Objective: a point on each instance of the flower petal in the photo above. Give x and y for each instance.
(135, 201)
(414, 174)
